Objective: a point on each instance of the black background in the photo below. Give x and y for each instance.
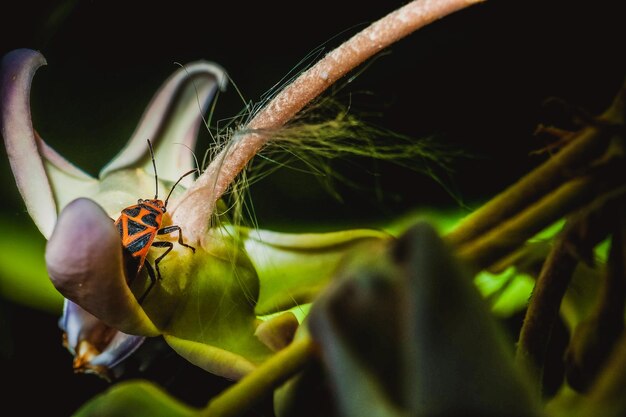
(476, 80)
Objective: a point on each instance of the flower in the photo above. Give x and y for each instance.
(208, 305)
(48, 183)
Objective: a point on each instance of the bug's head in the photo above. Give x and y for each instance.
(154, 203)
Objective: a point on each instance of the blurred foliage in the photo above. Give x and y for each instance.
(23, 276)
(139, 399)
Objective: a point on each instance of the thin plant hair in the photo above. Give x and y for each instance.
(197, 204)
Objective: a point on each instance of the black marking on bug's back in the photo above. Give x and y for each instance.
(134, 227)
(139, 243)
(132, 211)
(120, 228)
(150, 209)
(150, 220)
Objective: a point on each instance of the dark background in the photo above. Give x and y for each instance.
(476, 80)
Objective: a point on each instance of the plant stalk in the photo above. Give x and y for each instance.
(573, 158)
(495, 244)
(199, 201)
(543, 311)
(259, 384)
(582, 232)
(607, 397)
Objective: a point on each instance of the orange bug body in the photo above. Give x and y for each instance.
(138, 225)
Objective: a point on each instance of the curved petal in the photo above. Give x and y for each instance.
(278, 332)
(119, 348)
(211, 358)
(96, 347)
(84, 260)
(66, 180)
(171, 122)
(45, 179)
(17, 71)
(294, 268)
(77, 324)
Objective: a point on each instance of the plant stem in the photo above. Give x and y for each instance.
(607, 395)
(577, 240)
(613, 296)
(564, 165)
(198, 202)
(492, 246)
(260, 383)
(575, 157)
(595, 337)
(543, 310)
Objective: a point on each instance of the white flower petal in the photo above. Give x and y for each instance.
(67, 181)
(171, 122)
(45, 179)
(18, 68)
(95, 346)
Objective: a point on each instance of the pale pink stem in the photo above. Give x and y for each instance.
(194, 209)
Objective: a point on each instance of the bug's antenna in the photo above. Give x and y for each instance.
(156, 179)
(179, 180)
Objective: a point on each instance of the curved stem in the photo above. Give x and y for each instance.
(260, 383)
(500, 241)
(582, 232)
(543, 310)
(607, 395)
(586, 146)
(194, 209)
(595, 336)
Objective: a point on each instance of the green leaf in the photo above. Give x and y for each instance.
(137, 399)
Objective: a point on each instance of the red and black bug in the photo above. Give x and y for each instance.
(138, 225)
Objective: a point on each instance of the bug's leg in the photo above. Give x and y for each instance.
(171, 229)
(153, 280)
(169, 246)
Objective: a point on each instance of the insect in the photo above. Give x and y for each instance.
(138, 225)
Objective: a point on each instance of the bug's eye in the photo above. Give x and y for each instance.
(139, 201)
(164, 209)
